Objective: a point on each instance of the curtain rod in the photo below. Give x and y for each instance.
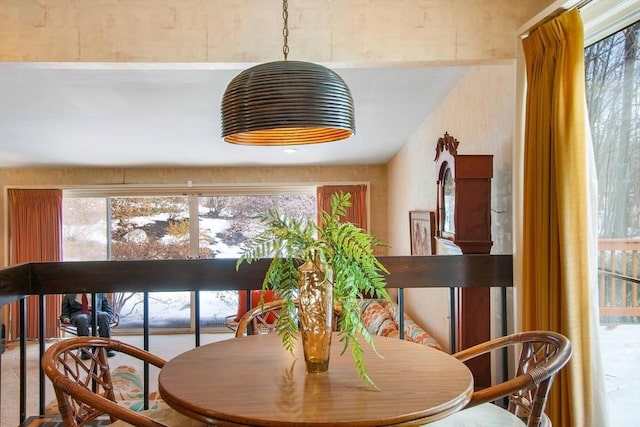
(550, 12)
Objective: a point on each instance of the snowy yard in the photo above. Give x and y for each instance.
(621, 359)
(173, 309)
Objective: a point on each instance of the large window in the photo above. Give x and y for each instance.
(170, 227)
(612, 68)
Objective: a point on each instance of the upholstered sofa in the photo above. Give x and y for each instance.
(382, 318)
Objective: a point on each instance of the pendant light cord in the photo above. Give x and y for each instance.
(285, 30)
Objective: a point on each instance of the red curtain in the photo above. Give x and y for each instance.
(357, 213)
(35, 225)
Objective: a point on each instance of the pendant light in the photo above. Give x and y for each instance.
(287, 103)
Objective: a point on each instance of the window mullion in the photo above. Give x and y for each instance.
(108, 227)
(194, 226)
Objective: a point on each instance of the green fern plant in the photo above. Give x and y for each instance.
(340, 246)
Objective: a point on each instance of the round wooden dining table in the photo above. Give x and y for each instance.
(254, 381)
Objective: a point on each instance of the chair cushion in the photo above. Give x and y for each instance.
(485, 415)
(166, 416)
(128, 390)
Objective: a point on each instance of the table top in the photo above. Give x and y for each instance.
(253, 380)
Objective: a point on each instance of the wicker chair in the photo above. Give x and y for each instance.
(81, 377)
(263, 319)
(542, 355)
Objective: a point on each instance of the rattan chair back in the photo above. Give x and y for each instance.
(261, 319)
(542, 354)
(81, 377)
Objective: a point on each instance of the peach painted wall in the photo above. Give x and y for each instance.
(480, 113)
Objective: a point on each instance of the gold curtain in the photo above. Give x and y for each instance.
(557, 267)
(357, 213)
(35, 225)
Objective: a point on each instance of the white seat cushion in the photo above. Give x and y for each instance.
(485, 415)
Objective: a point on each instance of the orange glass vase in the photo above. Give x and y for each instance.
(316, 315)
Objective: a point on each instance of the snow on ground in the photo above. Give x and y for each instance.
(168, 309)
(620, 344)
(173, 309)
(209, 228)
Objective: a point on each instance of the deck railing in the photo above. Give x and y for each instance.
(39, 279)
(619, 279)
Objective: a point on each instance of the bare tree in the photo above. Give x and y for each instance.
(613, 85)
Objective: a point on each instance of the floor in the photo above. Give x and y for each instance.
(621, 362)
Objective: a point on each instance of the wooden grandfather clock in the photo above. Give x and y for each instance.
(463, 226)
(463, 214)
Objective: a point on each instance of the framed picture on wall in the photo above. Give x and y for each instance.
(421, 224)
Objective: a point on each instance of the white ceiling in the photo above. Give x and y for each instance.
(144, 115)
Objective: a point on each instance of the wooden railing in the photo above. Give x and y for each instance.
(39, 279)
(618, 264)
(618, 279)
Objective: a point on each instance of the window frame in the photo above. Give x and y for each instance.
(108, 192)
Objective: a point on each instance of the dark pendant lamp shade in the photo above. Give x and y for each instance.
(287, 103)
